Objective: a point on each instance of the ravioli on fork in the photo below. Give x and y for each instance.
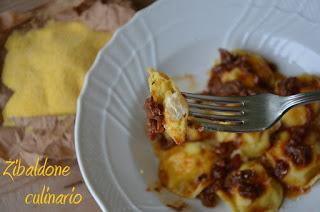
(167, 108)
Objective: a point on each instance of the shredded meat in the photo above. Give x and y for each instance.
(281, 169)
(225, 165)
(299, 152)
(228, 62)
(225, 149)
(155, 117)
(235, 162)
(289, 86)
(208, 197)
(249, 187)
(219, 174)
(297, 134)
(233, 88)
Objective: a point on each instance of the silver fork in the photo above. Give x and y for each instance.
(243, 114)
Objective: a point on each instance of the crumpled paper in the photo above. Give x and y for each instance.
(100, 17)
(51, 136)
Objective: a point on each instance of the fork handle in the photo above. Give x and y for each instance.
(302, 98)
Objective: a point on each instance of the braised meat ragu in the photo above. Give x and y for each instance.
(155, 117)
(231, 62)
(248, 182)
(258, 168)
(281, 169)
(166, 108)
(299, 152)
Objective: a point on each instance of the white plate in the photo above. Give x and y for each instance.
(177, 36)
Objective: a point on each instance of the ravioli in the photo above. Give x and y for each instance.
(295, 158)
(297, 116)
(260, 68)
(164, 92)
(185, 169)
(253, 190)
(295, 155)
(249, 171)
(251, 145)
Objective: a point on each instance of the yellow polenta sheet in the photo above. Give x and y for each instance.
(45, 68)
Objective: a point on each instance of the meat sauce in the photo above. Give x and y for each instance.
(248, 184)
(224, 174)
(155, 124)
(155, 118)
(220, 178)
(229, 61)
(281, 169)
(247, 180)
(299, 152)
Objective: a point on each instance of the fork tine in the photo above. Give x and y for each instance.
(215, 108)
(211, 117)
(219, 99)
(221, 127)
